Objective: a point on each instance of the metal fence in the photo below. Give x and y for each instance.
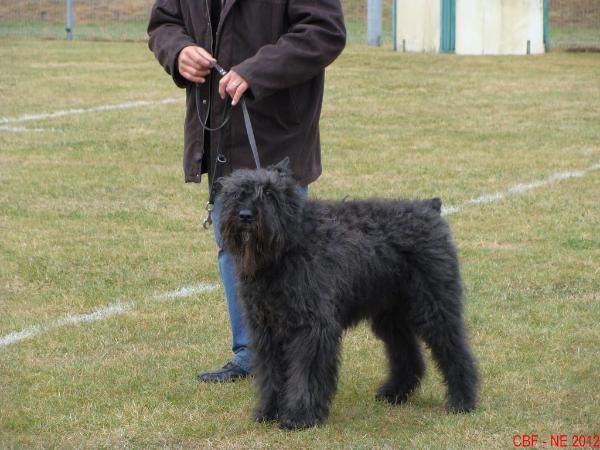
(92, 19)
(127, 19)
(573, 24)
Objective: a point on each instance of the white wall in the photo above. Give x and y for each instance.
(418, 25)
(499, 27)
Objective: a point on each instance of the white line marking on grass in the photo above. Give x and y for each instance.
(100, 108)
(520, 188)
(186, 291)
(100, 314)
(17, 336)
(24, 129)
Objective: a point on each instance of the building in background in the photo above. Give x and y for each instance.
(471, 27)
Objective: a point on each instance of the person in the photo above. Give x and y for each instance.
(275, 53)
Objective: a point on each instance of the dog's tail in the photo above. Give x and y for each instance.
(436, 204)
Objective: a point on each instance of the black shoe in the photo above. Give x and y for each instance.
(229, 372)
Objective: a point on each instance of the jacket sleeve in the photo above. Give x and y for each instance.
(316, 36)
(168, 36)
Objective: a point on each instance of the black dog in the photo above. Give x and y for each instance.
(309, 269)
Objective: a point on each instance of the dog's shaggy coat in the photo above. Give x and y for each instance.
(309, 269)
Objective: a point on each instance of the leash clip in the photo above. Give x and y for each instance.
(208, 221)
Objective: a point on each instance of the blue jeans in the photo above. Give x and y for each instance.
(240, 336)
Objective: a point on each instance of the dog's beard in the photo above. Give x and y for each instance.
(257, 247)
(248, 262)
(254, 245)
(246, 237)
(248, 254)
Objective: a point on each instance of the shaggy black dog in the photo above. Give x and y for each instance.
(309, 269)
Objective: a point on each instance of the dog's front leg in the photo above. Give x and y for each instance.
(269, 375)
(312, 359)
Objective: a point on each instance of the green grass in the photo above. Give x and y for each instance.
(94, 211)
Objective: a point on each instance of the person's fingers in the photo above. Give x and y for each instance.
(235, 86)
(239, 92)
(186, 60)
(204, 54)
(196, 71)
(196, 56)
(223, 84)
(201, 57)
(194, 59)
(191, 64)
(232, 87)
(192, 73)
(191, 77)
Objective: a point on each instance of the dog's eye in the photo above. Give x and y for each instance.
(267, 193)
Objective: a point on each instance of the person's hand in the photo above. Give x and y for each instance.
(194, 63)
(234, 85)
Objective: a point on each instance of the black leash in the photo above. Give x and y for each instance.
(220, 158)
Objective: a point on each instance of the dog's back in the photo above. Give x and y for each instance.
(411, 222)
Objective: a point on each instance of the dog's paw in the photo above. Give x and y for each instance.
(393, 394)
(457, 406)
(264, 416)
(298, 423)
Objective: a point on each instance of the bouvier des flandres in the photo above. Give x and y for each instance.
(309, 269)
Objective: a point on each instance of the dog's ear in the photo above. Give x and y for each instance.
(436, 203)
(221, 183)
(282, 167)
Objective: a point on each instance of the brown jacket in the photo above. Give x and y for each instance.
(280, 47)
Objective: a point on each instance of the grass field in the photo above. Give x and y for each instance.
(93, 212)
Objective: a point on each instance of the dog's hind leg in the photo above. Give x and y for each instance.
(405, 359)
(449, 348)
(442, 328)
(312, 360)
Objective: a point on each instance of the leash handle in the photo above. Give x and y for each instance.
(220, 159)
(247, 122)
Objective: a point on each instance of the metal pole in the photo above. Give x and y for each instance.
(547, 25)
(69, 20)
(374, 18)
(394, 30)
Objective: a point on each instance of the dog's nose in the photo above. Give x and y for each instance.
(245, 215)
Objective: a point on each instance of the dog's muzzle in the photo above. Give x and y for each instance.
(246, 216)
